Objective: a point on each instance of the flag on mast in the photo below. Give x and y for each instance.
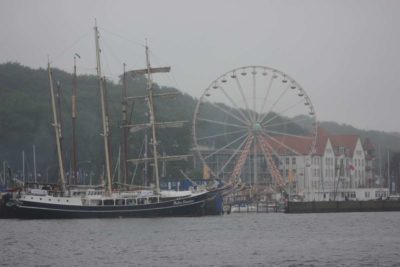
(290, 176)
(206, 172)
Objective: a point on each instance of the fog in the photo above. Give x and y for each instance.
(343, 53)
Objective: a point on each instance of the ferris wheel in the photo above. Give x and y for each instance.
(249, 119)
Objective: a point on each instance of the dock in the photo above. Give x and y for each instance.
(246, 204)
(342, 206)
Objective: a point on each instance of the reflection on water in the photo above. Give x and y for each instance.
(346, 239)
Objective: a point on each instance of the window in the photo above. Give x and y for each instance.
(95, 202)
(130, 201)
(293, 161)
(109, 202)
(153, 200)
(120, 202)
(287, 161)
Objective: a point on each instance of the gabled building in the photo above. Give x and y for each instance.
(330, 167)
(340, 167)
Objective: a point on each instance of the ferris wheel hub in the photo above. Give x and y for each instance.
(256, 128)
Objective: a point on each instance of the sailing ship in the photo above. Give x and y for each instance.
(97, 202)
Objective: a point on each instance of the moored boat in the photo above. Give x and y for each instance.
(100, 202)
(93, 203)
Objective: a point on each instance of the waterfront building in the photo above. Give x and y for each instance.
(339, 168)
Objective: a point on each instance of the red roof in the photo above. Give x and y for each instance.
(284, 145)
(349, 142)
(302, 144)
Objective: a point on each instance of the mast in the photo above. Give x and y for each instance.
(146, 163)
(57, 130)
(108, 123)
(4, 172)
(23, 166)
(58, 107)
(124, 129)
(103, 111)
(149, 98)
(388, 171)
(74, 115)
(60, 122)
(152, 120)
(34, 163)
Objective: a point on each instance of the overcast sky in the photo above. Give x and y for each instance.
(345, 54)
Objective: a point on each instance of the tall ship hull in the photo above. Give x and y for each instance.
(48, 207)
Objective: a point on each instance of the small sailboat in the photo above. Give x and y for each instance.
(98, 202)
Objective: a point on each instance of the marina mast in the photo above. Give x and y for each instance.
(103, 112)
(125, 130)
(57, 129)
(74, 115)
(153, 124)
(152, 119)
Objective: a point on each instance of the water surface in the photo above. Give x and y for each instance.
(274, 239)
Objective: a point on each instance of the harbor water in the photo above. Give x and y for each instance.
(245, 239)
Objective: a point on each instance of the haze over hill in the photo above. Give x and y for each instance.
(343, 53)
(25, 119)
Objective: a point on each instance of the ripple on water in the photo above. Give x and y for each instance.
(352, 239)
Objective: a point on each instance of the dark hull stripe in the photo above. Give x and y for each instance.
(192, 206)
(116, 209)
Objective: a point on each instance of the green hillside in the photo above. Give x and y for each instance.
(25, 119)
(26, 116)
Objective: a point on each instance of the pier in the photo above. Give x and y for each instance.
(244, 204)
(343, 206)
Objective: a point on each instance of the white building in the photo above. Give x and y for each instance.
(340, 168)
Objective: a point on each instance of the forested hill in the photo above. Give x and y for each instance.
(26, 117)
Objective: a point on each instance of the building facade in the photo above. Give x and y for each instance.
(340, 167)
